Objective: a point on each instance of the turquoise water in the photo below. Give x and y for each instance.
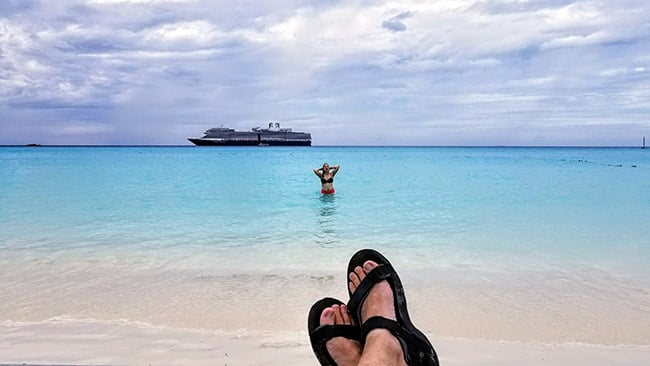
(551, 204)
(497, 243)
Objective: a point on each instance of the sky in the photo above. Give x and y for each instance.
(401, 72)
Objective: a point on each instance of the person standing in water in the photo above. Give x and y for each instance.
(326, 175)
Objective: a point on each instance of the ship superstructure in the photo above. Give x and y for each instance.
(271, 136)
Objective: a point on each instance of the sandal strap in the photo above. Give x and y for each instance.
(379, 322)
(375, 276)
(324, 333)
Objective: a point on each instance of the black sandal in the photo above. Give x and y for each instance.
(417, 349)
(319, 334)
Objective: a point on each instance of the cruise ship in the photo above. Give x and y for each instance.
(271, 136)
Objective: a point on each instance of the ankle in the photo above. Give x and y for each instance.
(383, 339)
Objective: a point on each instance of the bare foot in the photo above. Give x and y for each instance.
(380, 298)
(344, 351)
(380, 302)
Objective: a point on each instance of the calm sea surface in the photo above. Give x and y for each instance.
(80, 213)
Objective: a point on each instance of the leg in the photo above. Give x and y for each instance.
(382, 349)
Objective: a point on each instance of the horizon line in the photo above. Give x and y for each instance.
(33, 145)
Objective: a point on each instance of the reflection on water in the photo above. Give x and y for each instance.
(327, 236)
(328, 207)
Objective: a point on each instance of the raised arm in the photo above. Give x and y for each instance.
(317, 171)
(334, 169)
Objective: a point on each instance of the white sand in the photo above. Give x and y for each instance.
(442, 304)
(61, 341)
(65, 313)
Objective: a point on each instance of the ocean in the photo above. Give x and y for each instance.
(516, 244)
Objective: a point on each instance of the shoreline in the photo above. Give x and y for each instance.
(591, 308)
(67, 341)
(580, 305)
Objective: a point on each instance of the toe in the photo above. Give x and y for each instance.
(361, 274)
(369, 266)
(338, 317)
(354, 281)
(345, 315)
(327, 317)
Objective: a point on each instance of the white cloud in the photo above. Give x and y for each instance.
(579, 14)
(576, 41)
(199, 33)
(535, 82)
(20, 69)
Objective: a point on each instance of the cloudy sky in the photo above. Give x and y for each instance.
(402, 72)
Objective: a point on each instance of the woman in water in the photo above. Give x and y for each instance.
(326, 176)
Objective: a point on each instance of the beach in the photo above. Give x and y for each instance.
(179, 256)
(177, 318)
(87, 343)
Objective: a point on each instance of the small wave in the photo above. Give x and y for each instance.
(67, 320)
(288, 344)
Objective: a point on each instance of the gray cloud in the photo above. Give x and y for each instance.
(9, 7)
(395, 23)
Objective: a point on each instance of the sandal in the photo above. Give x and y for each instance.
(417, 349)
